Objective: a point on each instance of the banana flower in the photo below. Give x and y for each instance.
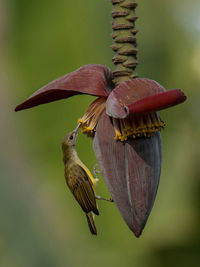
(125, 126)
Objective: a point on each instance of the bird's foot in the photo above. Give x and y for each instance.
(95, 171)
(106, 199)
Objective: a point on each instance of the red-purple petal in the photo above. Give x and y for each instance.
(129, 92)
(157, 102)
(131, 170)
(91, 79)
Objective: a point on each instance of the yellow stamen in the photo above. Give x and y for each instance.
(116, 124)
(137, 126)
(91, 116)
(140, 125)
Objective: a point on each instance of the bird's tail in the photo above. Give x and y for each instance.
(91, 224)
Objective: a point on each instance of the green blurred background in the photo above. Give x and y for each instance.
(40, 223)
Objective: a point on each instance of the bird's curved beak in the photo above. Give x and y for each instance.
(75, 132)
(76, 129)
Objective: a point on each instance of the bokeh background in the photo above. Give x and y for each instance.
(40, 223)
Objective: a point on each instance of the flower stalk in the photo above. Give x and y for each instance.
(125, 43)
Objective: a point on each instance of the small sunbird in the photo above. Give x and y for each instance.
(79, 179)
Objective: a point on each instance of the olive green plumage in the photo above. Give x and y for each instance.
(79, 180)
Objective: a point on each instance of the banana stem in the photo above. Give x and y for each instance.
(124, 36)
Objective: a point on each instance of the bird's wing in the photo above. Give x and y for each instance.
(81, 187)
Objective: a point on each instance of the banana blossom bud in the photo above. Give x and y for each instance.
(125, 126)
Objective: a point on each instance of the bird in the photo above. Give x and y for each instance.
(79, 179)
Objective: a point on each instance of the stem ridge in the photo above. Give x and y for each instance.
(125, 42)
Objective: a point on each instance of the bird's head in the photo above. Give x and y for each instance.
(69, 139)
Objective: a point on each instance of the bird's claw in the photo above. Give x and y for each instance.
(106, 199)
(96, 170)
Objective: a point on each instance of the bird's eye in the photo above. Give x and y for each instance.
(71, 137)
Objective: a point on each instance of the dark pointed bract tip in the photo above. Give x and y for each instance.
(137, 233)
